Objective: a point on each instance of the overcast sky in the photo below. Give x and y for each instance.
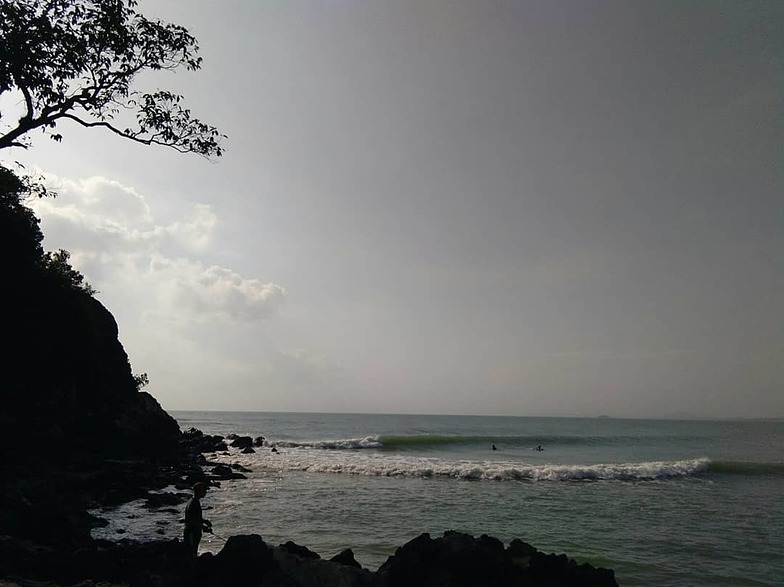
(474, 207)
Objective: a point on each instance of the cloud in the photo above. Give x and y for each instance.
(121, 247)
(212, 292)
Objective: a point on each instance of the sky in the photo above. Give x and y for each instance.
(454, 207)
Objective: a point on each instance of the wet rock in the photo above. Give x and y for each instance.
(224, 472)
(242, 442)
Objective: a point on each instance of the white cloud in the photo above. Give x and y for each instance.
(117, 242)
(211, 292)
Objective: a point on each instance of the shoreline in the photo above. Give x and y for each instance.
(51, 505)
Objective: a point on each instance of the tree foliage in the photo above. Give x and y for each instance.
(21, 236)
(77, 60)
(56, 265)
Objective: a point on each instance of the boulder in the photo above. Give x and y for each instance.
(242, 442)
(300, 567)
(225, 472)
(460, 560)
(243, 561)
(196, 441)
(346, 557)
(300, 551)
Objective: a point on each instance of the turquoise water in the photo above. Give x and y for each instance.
(661, 502)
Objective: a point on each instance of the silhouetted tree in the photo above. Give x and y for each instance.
(77, 59)
(56, 266)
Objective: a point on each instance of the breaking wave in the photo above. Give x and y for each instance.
(346, 444)
(380, 466)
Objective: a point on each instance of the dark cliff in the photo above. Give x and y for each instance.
(66, 383)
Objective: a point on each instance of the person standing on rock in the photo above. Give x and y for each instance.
(195, 524)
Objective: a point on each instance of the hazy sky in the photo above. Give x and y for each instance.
(484, 207)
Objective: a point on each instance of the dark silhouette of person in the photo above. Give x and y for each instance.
(539, 447)
(494, 448)
(195, 524)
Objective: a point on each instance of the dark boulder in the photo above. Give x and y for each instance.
(195, 441)
(298, 566)
(346, 558)
(300, 551)
(225, 472)
(243, 561)
(460, 560)
(242, 442)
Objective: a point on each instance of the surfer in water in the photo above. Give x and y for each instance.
(539, 448)
(494, 448)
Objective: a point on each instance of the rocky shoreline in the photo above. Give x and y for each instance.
(45, 537)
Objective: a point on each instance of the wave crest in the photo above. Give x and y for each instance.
(344, 444)
(433, 468)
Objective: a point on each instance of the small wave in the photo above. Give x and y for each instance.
(427, 468)
(746, 468)
(346, 444)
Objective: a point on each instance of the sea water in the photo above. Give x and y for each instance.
(661, 502)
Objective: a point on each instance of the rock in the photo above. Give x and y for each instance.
(244, 560)
(258, 441)
(346, 557)
(198, 442)
(242, 442)
(300, 551)
(460, 560)
(225, 473)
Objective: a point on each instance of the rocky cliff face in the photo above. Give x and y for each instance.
(65, 380)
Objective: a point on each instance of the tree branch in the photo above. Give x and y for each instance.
(148, 141)
(28, 102)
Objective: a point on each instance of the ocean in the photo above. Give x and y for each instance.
(662, 502)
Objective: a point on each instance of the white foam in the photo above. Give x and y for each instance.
(313, 460)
